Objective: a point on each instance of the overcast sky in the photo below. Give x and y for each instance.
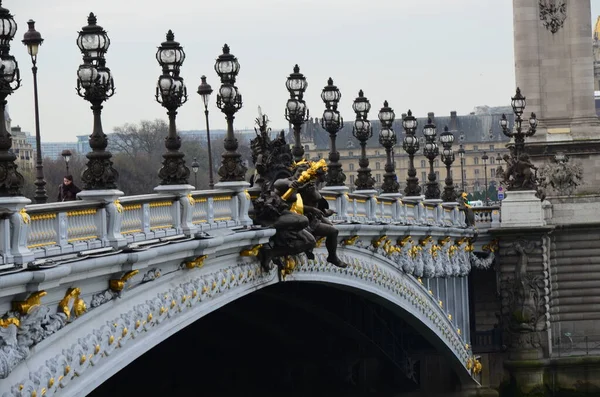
(427, 55)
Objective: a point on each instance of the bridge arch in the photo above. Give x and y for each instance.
(79, 357)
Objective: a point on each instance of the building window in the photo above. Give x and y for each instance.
(475, 147)
(306, 148)
(352, 179)
(320, 155)
(493, 173)
(423, 164)
(492, 160)
(437, 163)
(423, 176)
(491, 147)
(377, 153)
(378, 177)
(475, 160)
(437, 175)
(351, 166)
(350, 154)
(476, 172)
(378, 165)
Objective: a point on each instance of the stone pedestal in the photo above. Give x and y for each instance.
(13, 243)
(522, 209)
(243, 200)
(342, 199)
(114, 214)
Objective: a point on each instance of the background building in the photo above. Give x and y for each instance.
(22, 149)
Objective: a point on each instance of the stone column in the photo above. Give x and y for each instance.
(555, 70)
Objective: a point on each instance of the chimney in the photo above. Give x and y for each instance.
(431, 115)
(453, 126)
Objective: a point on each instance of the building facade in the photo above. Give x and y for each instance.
(22, 149)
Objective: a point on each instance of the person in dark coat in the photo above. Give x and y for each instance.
(67, 191)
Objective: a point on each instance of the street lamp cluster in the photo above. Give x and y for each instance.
(95, 84)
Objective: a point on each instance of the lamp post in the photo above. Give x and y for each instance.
(204, 89)
(195, 167)
(387, 138)
(410, 145)
(11, 181)
(518, 104)
(362, 131)
(33, 39)
(229, 101)
(485, 158)
(66, 155)
(296, 111)
(499, 162)
(171, 93)
(95, 84)
(431, 151)
(332, 122)
(461, 154)
(447, 139)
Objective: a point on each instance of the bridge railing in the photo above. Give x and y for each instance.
(487, 217)
(30, 232)
(392, 208)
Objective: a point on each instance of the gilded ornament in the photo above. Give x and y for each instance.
(96, 351)
(426, 240)
(441, 303)
(111, 339)
(458, 330)
(350, 240)
(149, 317)
(444, 240)
(288, 268)
(67, 370)
(124, 333)
(320, 242)
(452, 250)
(79, 306)
(50, 382)
(118, 285)
(82, 359)
(4, 323)
(191, 199)
(414, 251)
(434, 250)
(196, 263)
(491, 247)
(24, 216)
(252, 251)
(477, 367)
(379, 241)
(406, 239)
(450, 317)
(34, 300)
(118, 206)
(470, 364)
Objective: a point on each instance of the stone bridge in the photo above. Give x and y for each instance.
(89, 286)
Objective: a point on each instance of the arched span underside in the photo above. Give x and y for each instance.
(87, 352)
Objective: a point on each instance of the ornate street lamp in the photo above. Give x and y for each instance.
(387, 138)
(362, 131)
(95, 84)
(410, 145)
(229, 101)
(332, 122)
(461, 154)
(518, 105)
(485, 159)
(11, 181)
(33, 39)
(195, 168)
(171, 93)
(431, 151)
(447, 139)
(204, 89)
(296, 111)
(66, 155)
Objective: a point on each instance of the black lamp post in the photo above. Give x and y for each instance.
(229, 101)
(447, 139)
(296, 111)
(171, 93)
(33, 39)
(332, 122)
(518, 104)
(387, 138)
(66, 155)
(431, 151)
(204, 89)
(95, 84)
(461, 154)
(410, 145)
(362, 131)
(195, 167)
(485, 159)
(499, 162)
(11, 181)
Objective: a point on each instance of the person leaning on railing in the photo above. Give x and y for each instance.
(67, 191)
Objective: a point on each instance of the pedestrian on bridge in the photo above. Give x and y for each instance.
(67, 191)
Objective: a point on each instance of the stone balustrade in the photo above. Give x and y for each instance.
(487, 217)
(71, 228)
